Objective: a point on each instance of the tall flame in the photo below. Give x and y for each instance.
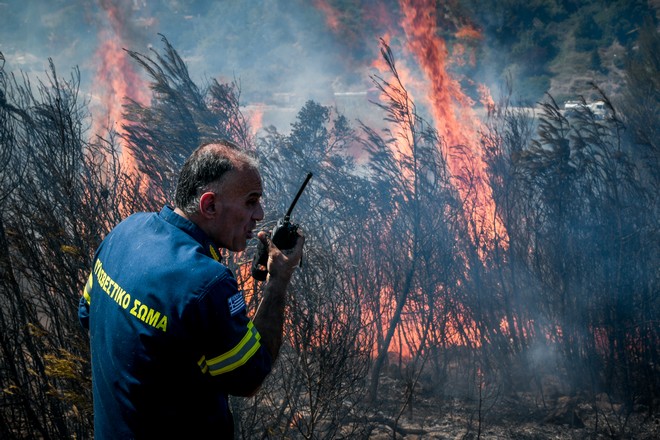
(452, 111)
(457, 123)
(116, 78)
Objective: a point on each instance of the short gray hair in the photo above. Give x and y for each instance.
(207, 165)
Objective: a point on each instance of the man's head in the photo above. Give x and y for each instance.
(220, 190)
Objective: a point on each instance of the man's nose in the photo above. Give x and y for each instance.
(258, 213)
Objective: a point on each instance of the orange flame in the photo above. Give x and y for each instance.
(431, 53)
(331, 14)
(116, 78)
(256, 116)
(456, 121)
(411, 84)
(452, 111)
(486, 98)
(457, 328)
(468, 32)
(458, 56)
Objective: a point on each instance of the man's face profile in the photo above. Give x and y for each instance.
(236, 209)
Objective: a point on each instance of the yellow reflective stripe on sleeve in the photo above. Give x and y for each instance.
(234, 358)
(88, 289)
(202, 365)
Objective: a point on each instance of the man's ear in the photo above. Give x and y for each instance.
(207, 206)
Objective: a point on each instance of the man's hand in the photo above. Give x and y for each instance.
(269, 319)
(282, 263)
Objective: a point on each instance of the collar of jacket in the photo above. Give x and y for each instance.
(168, 214)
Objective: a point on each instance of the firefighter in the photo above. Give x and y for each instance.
(169, 334)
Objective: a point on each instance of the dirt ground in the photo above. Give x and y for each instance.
(518, 416)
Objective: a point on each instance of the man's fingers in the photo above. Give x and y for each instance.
(261, 235)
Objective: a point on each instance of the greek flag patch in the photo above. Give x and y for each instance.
(236, 303)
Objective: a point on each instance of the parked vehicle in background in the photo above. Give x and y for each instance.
(597, 108)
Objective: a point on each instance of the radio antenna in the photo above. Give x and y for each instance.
(295, 200)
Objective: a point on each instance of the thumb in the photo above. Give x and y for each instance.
(263, 237)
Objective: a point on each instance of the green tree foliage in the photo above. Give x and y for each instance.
(587, 33)
(528, 38)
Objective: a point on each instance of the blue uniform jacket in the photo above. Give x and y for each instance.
(169, 334)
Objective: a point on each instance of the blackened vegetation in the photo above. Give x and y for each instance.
(59, 194)
(181, 116)
(404, 303)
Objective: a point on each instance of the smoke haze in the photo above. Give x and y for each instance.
(285, 52)
(279, 51)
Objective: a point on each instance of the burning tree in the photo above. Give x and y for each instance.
(411, 200)
(589, 203)
(407, 279)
